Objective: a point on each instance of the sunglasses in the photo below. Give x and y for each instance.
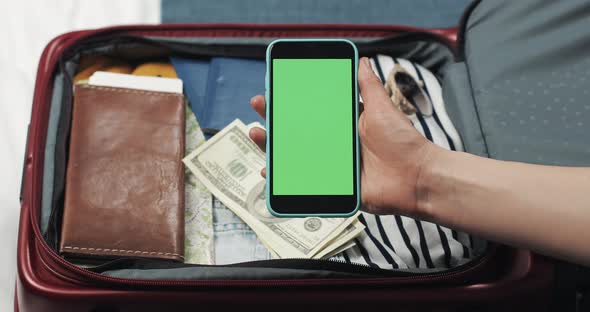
(414, 98)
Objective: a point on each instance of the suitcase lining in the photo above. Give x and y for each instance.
(421, 48)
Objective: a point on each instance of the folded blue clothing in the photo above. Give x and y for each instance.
(194, 74)
(230, 83)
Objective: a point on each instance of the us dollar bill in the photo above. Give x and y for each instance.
(339, 250)
(229, 165)
(342, 242)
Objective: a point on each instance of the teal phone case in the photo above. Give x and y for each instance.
(268, 101)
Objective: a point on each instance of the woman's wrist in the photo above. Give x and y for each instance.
(435, 175)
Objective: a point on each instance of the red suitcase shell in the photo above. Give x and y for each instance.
(507, 279)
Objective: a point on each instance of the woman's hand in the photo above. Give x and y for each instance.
(393, 153)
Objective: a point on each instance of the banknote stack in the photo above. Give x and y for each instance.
(229, 165)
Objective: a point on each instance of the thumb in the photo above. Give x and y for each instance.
(374, 96)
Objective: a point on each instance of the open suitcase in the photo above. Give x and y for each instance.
(502, 278)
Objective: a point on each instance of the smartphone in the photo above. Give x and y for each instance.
(312, 149)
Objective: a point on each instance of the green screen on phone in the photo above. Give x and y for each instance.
(312, 128)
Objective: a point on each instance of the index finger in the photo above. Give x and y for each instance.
(259, 105)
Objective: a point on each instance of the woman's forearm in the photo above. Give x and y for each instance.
(543, 208)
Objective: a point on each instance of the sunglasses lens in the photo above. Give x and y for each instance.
(406, 84)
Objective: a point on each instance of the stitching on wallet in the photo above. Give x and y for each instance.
(125, 251)
(124, 90)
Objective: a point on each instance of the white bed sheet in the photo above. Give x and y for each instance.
(25, 28)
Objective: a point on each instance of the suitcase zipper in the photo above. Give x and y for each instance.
(378, 46)
(66, 267)
(405, 278)
(460, 51)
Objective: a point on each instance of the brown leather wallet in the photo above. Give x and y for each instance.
(124, 185)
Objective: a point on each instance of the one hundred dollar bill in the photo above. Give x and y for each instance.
(229, 165)
(340, 249)
(342, 241)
